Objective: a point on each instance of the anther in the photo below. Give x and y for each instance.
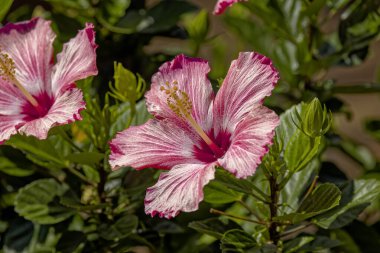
(8, 73)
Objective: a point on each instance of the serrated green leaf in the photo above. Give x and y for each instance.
(323, 198)
(37, 202)
(237, 240)
(123, 227)
(356, 196)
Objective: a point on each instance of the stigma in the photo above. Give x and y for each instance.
(8, 74)
(180, 103)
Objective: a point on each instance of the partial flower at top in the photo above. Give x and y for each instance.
(35, 94)
(194, 131)
(222, 5)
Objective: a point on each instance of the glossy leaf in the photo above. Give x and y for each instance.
(356, 196)
(37, 202)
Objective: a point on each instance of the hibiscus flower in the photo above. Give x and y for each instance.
(222, 5)
(35, 94)
(194, 131)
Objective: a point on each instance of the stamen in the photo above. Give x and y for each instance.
(180, 103)
(8, 73)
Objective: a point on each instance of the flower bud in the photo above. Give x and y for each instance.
(314, 120)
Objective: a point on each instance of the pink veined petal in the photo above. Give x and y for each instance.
(178, 190)
(9, 125)
(156, 144)
(191, 75)
(65, 109)
(30, 45)
(249, 80)
(11, 101)
(222, 5)
(76, 61)
(250, 142)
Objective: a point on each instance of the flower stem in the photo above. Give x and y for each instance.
(273, 208)
(214, 211)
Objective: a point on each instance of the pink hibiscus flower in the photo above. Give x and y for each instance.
(194, 131)
(222, 5)
(36, 95)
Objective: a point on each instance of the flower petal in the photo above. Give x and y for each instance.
(11, 101)
(222, 5)
(76, 61)
(249, 142)
(65, 109)
(191, 75)
(30, 45)
(249, 80)
(180, 189)
(156, 144)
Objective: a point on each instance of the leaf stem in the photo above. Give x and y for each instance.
(241, 202)
(214, 211)
(80, 176)
(68, 139)
(297, 229)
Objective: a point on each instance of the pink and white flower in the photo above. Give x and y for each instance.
(193, 130)
(35, 94)
(222, 5)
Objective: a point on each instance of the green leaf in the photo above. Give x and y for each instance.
(348, 244)
(356, 196)
(10, 168)
(237, 240)
(123, 227)
(198, 26)
(310, 244)
(18, 235)
(235, 184)
(300, 150)
(297, 186)
(5, 5)
(216, 193)
(37, 202)
(166, 14)
(323, 198)
(88, 158)
(42, 152)
(214, 226)
(295, 244)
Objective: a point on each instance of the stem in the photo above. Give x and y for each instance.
(294, 230)
(68, 139)
(214, 211)
(273, 233)
(311, 188)
(80, 176)
(250, 210)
